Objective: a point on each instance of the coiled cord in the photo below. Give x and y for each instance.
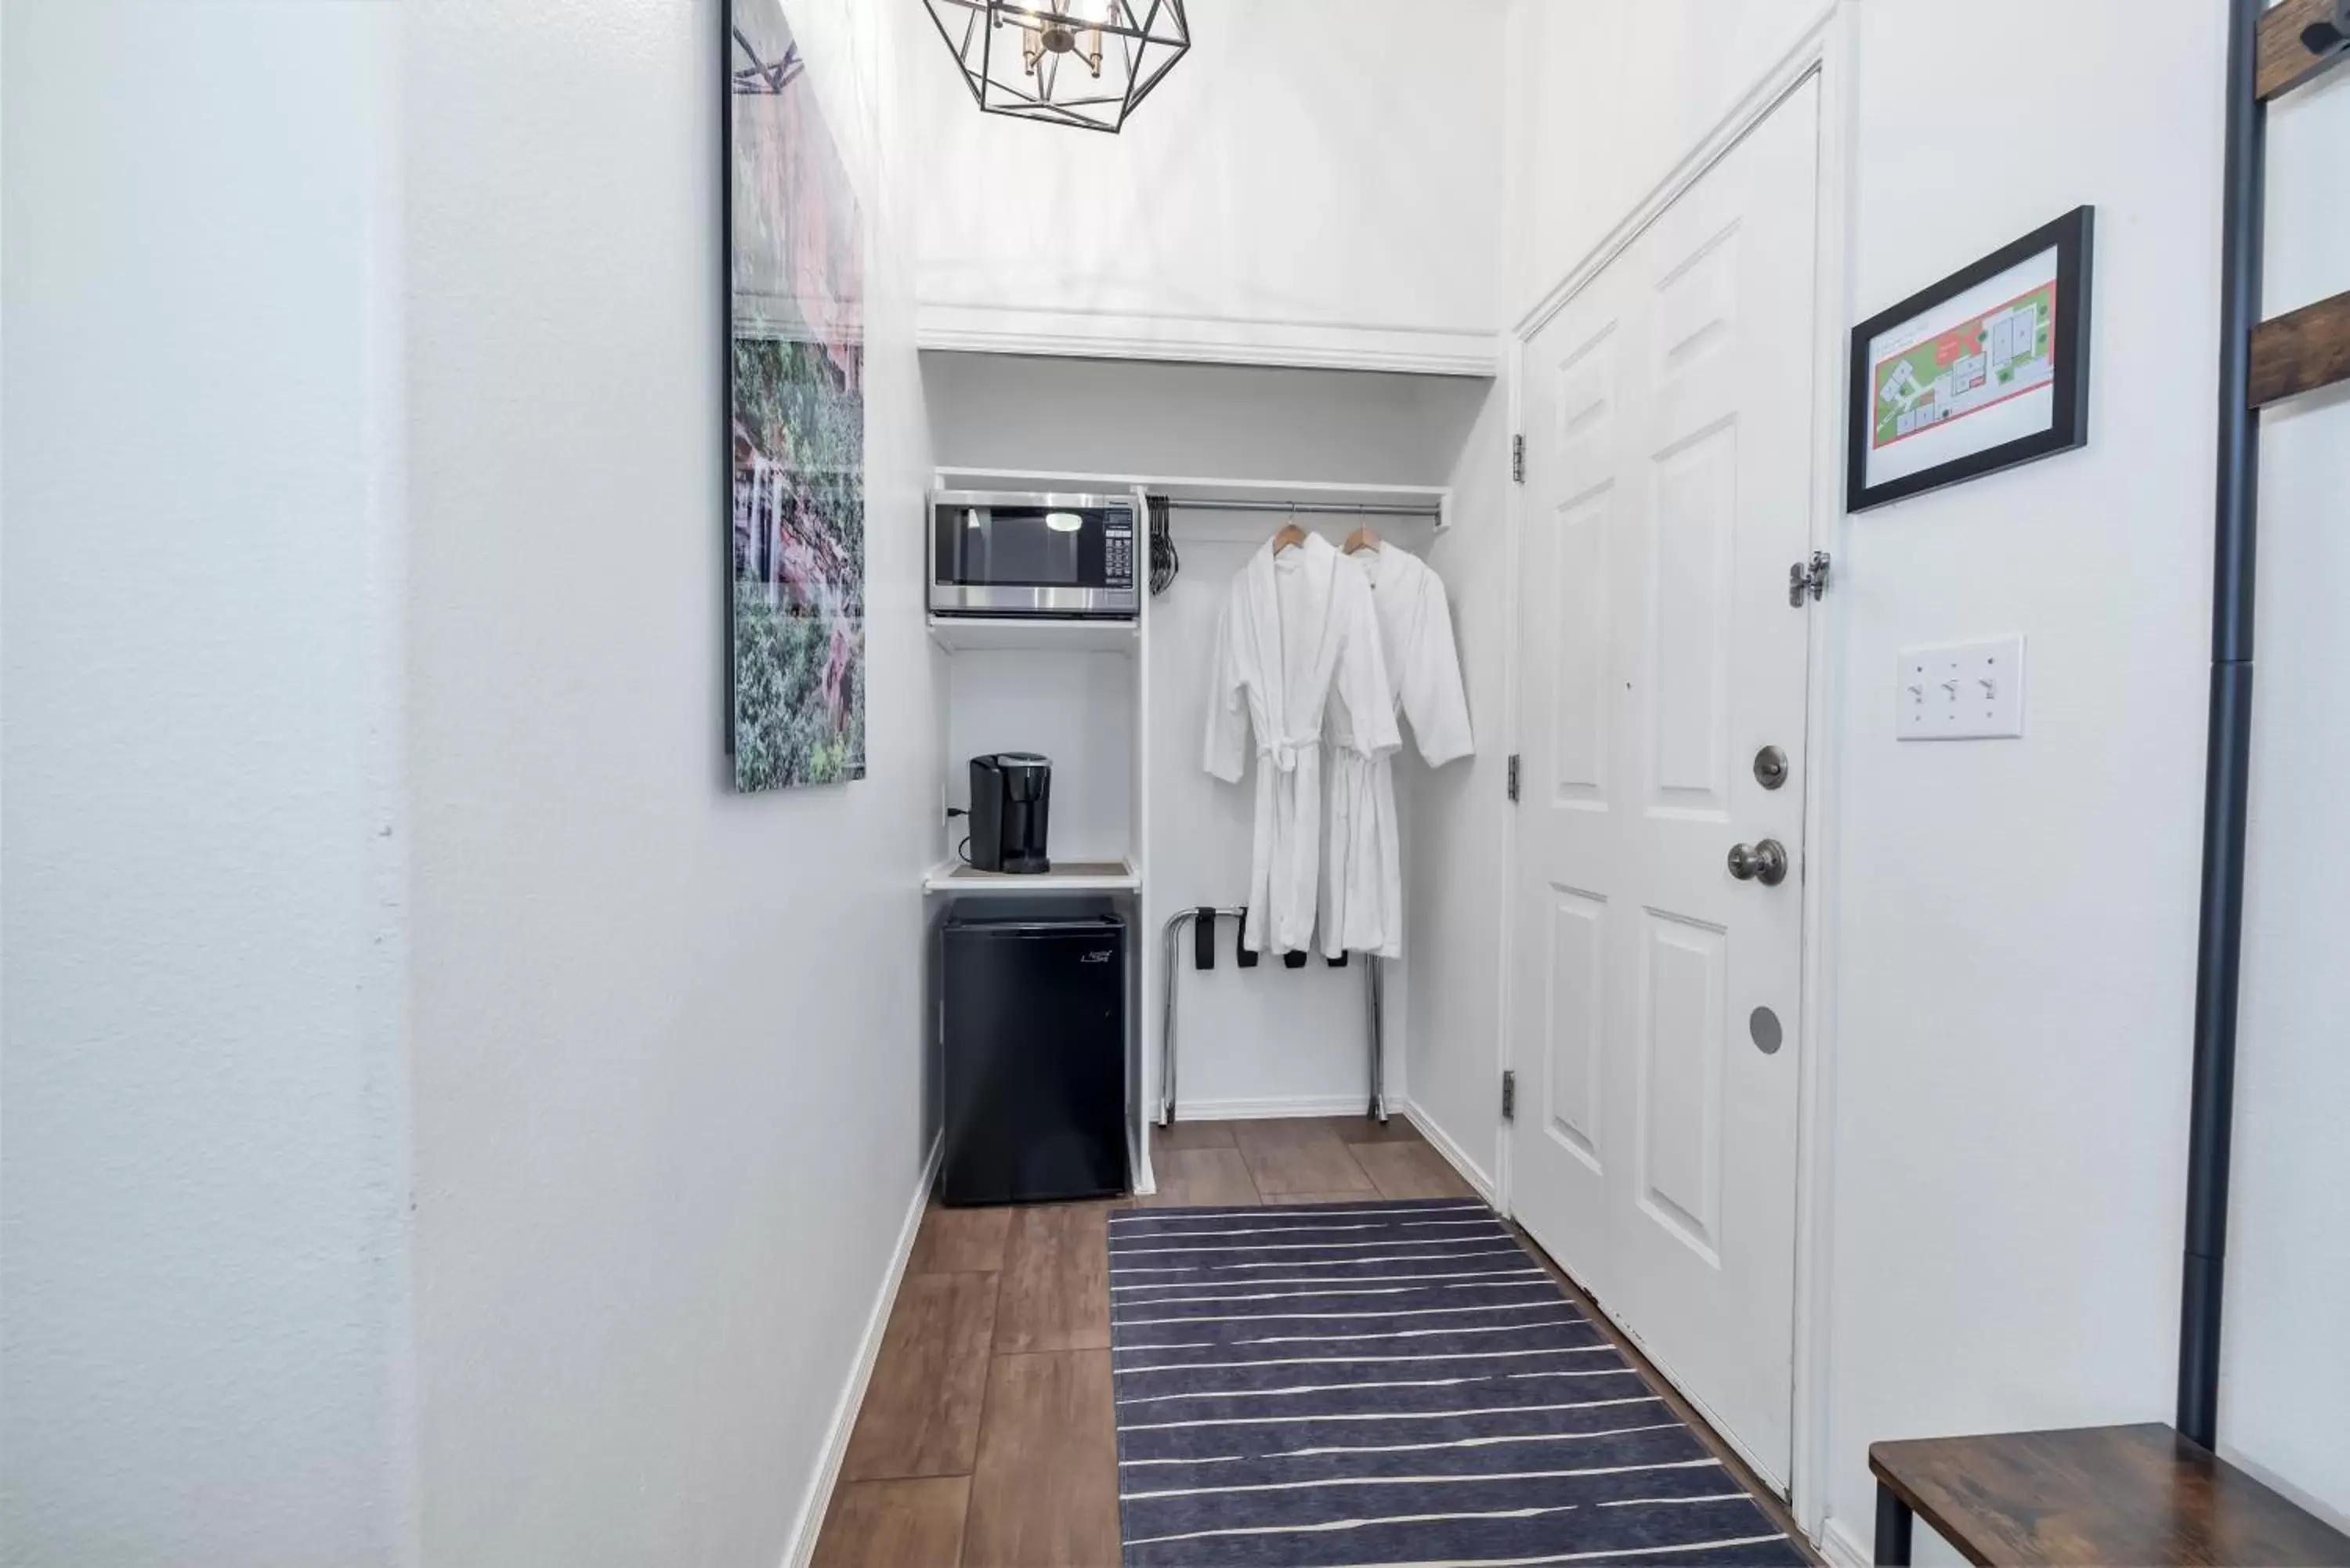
(1164, 561)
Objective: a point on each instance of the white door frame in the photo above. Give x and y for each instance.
(1825, 51)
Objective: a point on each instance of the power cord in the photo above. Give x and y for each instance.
(1164, 561)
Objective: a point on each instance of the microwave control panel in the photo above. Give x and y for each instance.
(1117, 547)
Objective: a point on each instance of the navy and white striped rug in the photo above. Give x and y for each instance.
(1389, 1383)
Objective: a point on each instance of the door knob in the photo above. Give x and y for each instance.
(1765, 862)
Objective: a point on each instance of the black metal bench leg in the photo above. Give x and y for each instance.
(1893, 1521)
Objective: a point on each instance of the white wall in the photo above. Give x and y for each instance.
(1602, 100)
(1313, 182)
(1080, 709)
(2285, 1374)
(1225, 422)
(203, 1307)
(2014, 971)
(666, 1066)
(1453, 909)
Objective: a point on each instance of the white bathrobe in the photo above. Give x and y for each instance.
(1362, 898)
(1299, 641)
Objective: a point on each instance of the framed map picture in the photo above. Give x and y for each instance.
(794, 442)
(1987, 369)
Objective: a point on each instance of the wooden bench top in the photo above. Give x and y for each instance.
(2099, 1495)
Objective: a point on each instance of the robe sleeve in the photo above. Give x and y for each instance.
(1362, 674)
(1429, 684)
(1226, 751)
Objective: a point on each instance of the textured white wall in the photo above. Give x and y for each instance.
(667, 1038)
(202, 1135)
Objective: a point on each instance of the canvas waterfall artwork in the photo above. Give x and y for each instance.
(795, 366)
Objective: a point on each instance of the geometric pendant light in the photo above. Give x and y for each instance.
(1084, 63)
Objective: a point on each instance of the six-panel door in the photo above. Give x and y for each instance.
(1668, 415)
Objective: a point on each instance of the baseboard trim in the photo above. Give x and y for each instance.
(1841, 1548)
(1438, 1140)
(1266, 1110)
(819, 1500)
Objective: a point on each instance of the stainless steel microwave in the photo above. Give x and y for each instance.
(998, 553)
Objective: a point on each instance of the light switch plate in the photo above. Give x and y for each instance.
(1961, 691)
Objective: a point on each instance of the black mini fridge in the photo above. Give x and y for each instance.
(1032, 1003)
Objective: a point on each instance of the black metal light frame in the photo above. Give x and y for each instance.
(1143, 37)
(752, 73)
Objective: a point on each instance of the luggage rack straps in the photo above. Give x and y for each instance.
(1202, 919)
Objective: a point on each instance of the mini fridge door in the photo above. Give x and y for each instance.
(1034, 1059)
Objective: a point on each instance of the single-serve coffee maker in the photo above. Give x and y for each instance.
(1011, 805)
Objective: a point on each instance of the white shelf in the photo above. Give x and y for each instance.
(977, 634)
(1066, 877)
(1275, 494)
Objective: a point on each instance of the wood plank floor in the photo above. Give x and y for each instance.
(986, 1439)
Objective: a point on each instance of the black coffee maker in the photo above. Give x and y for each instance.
(1011, 804)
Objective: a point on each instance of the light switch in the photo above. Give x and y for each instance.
(1961, 691)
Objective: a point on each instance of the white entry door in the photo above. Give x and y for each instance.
(1668, 418)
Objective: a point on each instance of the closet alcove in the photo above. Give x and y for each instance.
(1239, 453)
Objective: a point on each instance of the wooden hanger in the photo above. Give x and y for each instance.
(1361, 539)
(1290, 535)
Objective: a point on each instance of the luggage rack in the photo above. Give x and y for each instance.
(1202, 921)
(2154, 1494)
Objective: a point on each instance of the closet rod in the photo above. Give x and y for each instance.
(1349, 508)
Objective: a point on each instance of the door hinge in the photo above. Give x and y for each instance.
(1513, 775)
(1518, 459)
(1509, 1097)
(1808, 579)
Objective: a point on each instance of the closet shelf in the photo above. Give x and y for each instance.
(1271, 494)
(968, 634)
(1065, 876)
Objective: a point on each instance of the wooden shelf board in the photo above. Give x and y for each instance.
(2286, 60)
(2138, 1494)
(2301, 351)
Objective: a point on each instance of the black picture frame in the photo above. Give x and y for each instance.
(2071, 237)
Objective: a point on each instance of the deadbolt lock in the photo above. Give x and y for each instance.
(1765, 862)
(1770, 767)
